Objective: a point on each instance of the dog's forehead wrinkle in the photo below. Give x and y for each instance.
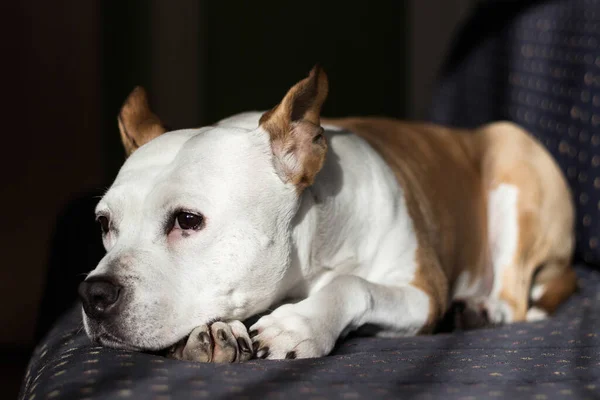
(209, 159)
(226, 147)
(154, 159)
(226, 163)
(161, 150)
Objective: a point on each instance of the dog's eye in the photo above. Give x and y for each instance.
(185, 220)
(104, 223)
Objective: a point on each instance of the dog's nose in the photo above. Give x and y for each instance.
(100, 297)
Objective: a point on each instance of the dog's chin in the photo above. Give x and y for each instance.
(98, 334)
(108, 340)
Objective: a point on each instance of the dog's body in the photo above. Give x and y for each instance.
(395, 223)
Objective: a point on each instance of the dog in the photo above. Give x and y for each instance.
(323, 227)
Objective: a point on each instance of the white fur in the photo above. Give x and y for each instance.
(503, 233)
(175, 281)
(536, 314)
(356, 253)
(467, 287)
(346, 247)
(537, 291)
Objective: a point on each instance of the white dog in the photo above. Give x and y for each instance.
(331, 225)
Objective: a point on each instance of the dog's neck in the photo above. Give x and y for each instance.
(347, 217)
(343, 217)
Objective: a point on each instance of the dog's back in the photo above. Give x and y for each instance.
(491, 205)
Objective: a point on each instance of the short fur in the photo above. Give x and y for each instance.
(365, 222)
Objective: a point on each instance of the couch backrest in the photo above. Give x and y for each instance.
(536, 63)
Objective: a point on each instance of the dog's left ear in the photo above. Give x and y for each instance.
(297, 139)
(137, 123)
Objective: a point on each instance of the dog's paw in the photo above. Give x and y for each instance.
(219, 342)
(536, 314)
(464, 315)
(287, 334)
(475, 313)
(499, 311)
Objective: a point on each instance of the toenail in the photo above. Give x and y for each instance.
(263, 353)
(243, 345)
(204, 338)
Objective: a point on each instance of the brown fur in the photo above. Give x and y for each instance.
(561, 283)
(294, 128)
(546, 213)
(447, 175)
(137, 123)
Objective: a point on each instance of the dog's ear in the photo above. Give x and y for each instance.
(137, 123)
(297, 139)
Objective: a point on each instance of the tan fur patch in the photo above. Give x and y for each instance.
(297, 140)
(557, 290)
(446, 175)
(545, 211)
(137, 123)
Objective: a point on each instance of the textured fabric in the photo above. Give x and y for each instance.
(537, 64)
(557, 358)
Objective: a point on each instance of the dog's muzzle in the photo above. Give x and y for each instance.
(101, 297)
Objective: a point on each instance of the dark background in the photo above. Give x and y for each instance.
(67, 67)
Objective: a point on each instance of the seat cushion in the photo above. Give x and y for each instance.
(535, 63)
(560, 355)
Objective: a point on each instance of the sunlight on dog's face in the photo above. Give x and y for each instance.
(197, 224)
(196, 227)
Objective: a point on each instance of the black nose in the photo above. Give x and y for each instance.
(100, 297)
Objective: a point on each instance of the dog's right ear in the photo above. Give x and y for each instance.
(294, 126)
(137, 123)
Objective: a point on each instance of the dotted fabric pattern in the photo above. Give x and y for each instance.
(553, 359)
(539, 67)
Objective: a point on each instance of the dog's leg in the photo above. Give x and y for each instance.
(552, 285)
(506, 299)
(531, 288)
(513, 234)
(519, 249)
(311, 327)
(530, 225)
(510, 232)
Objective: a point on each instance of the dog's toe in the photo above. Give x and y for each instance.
(226, 346)
(197, 347)
(231, 342)
(244, 344)
(287, 334)
(219, 343)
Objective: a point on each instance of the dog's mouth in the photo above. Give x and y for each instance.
(105, 338)
(109, 340)
(113, 335)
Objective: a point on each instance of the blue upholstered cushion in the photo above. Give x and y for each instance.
(536, 63)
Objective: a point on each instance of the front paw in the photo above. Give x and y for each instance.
(219, 342)
(288, 334)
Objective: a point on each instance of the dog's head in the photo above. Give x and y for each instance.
(197, 223)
